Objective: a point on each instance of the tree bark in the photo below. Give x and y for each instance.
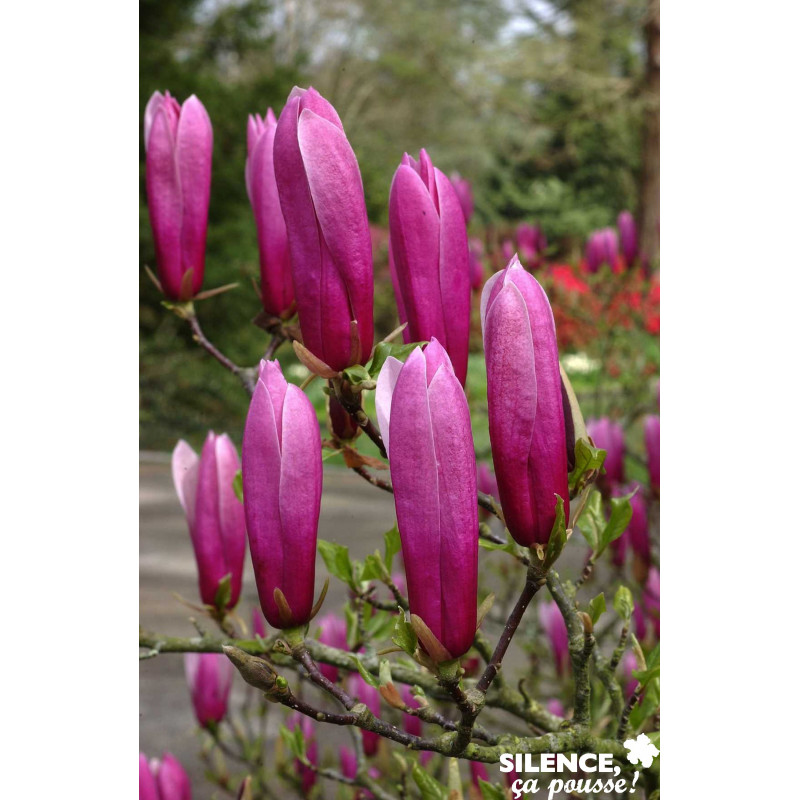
(650, 187)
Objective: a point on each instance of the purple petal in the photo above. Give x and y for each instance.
(387, 379)
(300, 495)
(458, 511)
(206, 533)
(185, 466)
(194, 145)
(231, 514)
(277, 291)
(147, 783)
(261, 475)
(164, 200)
(415, 479)
(436, 357)
(512, 398)
(454, 275)
(414, 231)
(338, 196)
(173, 782)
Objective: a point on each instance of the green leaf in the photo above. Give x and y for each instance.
(647, 706)
(597, 605)
(391, 543)
(558, 536)
(490, 791)
(654, 656)
(404, 636)
(365, 674)
(385, 349)
(294, 741)
(223, 594)
(509, 547)
(587, 460)
(351, 618)
(429, 787)
(623, 602)
(380, 626)
(356, 374)
(621, 513)
(374, 568)
(337, 560)
(238, 488)
(592, 521)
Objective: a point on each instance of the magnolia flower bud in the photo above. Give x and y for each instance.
(627, 237)
(209, 676)
(333, 633)
(609, 436)
(322, 199)
(214, 513)
(178, 140)
(424, 421)
(282, 481)
(552, 622)
(277, 292)
(429, 259)
(526, 410)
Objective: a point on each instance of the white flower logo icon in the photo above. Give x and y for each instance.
(641, 750)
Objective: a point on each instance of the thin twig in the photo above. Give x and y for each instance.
(534, 580)
(244, 375)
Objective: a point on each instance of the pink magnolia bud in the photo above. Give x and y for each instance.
(637, 530)
(411, 724)
(371, 698)
(179, 141)
(348, 763)
(627, 667)
(322, 199)
(609, 436)
(463, 189)
(476, 269)
(526, 412)
(627, 237)
(430, 258)
(214, 513)
(333, 633)
(209, 676)
(635, 536)
(282, 480)
(148, 789)
(553, 624)
(171, 778)
(555, 706)
(478, 771)
(601, 248)
(277, 292)
(487, 483)
(512, 776)
(531, 242)
(424, 419)
(342, 426)
(308, 777)
(652, 443)
(651, 599)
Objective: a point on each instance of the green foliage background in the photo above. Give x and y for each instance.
(538, 104)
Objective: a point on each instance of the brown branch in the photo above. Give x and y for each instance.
(246, 376)
(534, 580)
